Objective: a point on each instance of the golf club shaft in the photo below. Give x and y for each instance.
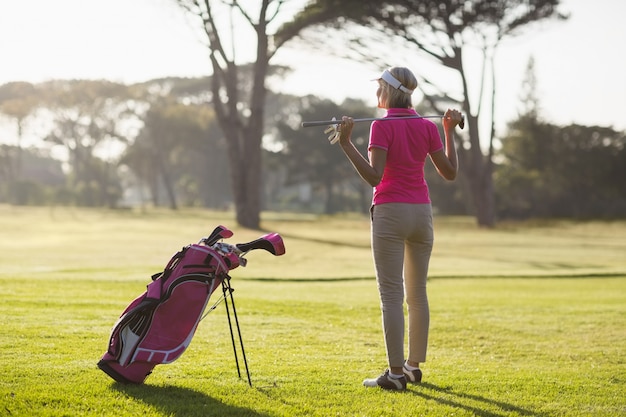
(371, 119)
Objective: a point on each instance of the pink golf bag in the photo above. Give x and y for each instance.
(158, 326)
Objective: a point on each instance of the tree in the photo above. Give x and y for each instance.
(553, 171)
(310, 159)
(443, 32)
(529, 97)
(521, 186)
(582, 179)
(87, 115)
(178, 148)
(239, 103)
(17, 100)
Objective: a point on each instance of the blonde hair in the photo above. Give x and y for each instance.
(397, 98)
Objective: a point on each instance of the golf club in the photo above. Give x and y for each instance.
(334, 124)
(371, 119)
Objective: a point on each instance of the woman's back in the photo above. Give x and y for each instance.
(407, 143)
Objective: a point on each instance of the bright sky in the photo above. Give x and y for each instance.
(580, 64)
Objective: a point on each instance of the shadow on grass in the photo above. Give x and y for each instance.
(182, 402)
(482, 405)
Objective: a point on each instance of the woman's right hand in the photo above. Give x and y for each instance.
(345, 130)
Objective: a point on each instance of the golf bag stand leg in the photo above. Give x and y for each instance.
(228, 292)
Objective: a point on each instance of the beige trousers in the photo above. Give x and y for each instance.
(402, 240)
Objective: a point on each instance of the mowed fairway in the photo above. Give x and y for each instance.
(527, 319)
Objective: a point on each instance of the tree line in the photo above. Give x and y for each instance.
(438, 31)
(158, 143)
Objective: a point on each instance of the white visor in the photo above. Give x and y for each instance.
(393, 81)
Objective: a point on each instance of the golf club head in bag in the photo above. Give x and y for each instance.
(158, 325)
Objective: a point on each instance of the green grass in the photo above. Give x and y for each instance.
(526, 320)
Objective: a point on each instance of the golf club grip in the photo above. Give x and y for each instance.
(462, 124)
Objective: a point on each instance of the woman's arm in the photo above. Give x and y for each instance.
(371, 171)
(446, 160)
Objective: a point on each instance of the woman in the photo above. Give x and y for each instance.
(401, 216)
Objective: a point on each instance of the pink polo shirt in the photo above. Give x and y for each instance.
(408, 143)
